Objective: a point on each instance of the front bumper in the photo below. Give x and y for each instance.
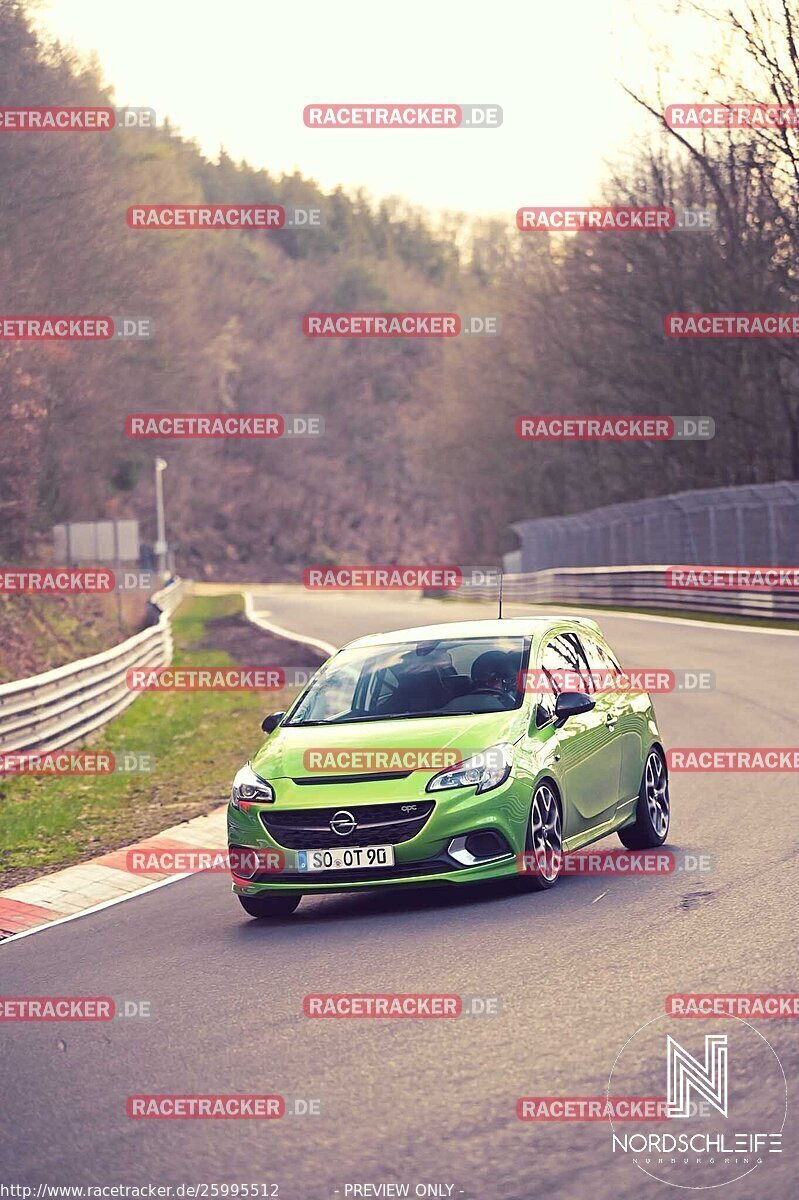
(420, 861)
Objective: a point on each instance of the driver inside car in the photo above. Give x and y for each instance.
(495, 671)
(494, 683)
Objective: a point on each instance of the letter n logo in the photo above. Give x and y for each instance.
(686, 1074)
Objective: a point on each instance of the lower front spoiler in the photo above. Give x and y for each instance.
(423, 873)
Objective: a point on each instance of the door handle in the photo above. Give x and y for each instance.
(610, 720)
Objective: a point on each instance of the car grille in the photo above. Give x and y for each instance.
(377, 825)
(362, 777)
(411, 870)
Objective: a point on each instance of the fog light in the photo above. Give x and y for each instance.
(245, 862)
(475, 848)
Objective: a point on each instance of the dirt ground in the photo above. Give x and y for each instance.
(250, 646)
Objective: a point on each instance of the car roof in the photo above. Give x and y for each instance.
(506, 627)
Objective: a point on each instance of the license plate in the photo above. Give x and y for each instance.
(345, 858)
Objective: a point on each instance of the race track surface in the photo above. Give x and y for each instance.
(577, 971)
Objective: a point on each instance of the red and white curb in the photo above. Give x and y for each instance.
(105, 880)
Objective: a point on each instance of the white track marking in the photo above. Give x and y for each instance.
(260, 620)
(151, 887)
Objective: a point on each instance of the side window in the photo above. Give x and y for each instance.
(612, 658)
(545, 711)
(602, 663)
(582, 659)
(565, 665)
(564, 659)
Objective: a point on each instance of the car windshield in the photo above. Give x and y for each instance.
(416, 679)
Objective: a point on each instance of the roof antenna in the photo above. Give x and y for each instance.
(501, 575)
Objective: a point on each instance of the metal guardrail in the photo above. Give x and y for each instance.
(169, 597)
(48, 711)
(635, 587)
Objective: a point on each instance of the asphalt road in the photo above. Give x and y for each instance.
(578, 970)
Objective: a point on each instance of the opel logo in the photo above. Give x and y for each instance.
(343, 823)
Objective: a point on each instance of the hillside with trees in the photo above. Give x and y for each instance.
(419, 461)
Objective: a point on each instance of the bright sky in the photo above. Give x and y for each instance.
(238, 74)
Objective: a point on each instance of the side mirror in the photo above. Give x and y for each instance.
(271, 722)
(570, 704)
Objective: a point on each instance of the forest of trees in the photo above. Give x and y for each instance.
(420, 461)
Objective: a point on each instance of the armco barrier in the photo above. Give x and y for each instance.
(635, 587)
(59, 707)
(170, 596)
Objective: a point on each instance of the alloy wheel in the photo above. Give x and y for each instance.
(547, 836)
(657, 793)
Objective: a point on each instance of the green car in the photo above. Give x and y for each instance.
(448, 754)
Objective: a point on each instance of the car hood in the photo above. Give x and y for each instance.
(282, 754)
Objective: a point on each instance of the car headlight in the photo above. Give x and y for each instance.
(483, 771)
(250, 788)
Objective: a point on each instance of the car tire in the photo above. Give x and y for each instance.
(275, 905)
(545, 838)
(653, 809)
